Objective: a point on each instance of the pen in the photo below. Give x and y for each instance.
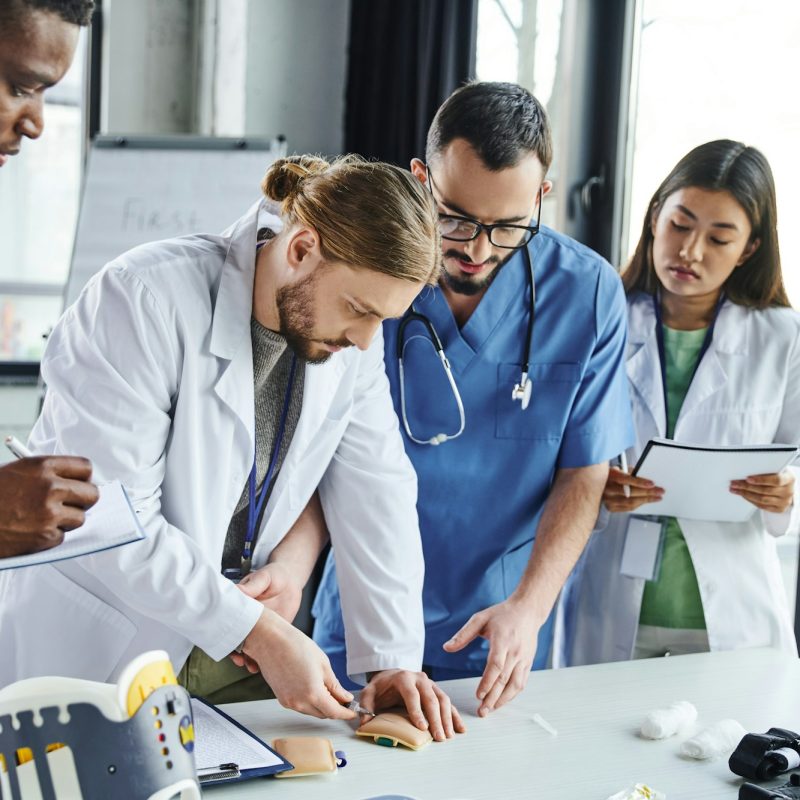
(354, 705)
(17, 448)
(221, 768)
(623, 465)
(224, 772)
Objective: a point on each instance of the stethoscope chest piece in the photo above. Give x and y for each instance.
(522, 391)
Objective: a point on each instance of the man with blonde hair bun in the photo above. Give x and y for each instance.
(215, 376)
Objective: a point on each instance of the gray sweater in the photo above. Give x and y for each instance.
(271, 365)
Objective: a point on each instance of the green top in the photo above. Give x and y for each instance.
(673, 599)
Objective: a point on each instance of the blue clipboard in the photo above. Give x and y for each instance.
(230, 772)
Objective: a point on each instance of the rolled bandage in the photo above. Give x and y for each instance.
(664, 722)
(718, 740)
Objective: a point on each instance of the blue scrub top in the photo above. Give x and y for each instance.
(481, 495)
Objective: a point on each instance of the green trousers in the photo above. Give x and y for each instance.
(221, 681)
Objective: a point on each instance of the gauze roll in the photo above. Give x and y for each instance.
(718, 740)
(664, 722)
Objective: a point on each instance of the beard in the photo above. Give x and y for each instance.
(470, 286)
(296, 314)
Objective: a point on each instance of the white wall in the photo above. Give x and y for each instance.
(148, 66)
(228, 68)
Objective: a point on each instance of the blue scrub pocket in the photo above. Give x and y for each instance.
(554, 388)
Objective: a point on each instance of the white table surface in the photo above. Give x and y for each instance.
(597, 712)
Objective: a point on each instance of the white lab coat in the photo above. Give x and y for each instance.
(150, 375)
(746, 391)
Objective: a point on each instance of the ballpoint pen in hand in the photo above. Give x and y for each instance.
(17, 448)
(623, 465)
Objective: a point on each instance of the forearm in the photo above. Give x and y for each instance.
(299, 550)
(566, 524)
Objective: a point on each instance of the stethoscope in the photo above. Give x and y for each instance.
(521, 391)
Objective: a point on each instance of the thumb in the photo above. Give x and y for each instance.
(338, 692)
(464, 636)
(254, 584)
(368, 696)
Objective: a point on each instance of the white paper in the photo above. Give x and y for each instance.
(110, 522)
(642, 545)
(696, 479)
(219, 741)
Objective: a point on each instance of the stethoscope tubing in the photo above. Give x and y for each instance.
(521, 392)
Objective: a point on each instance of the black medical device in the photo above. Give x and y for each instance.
(788, 791)
(764, 756)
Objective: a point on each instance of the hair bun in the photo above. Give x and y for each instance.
(285, 176)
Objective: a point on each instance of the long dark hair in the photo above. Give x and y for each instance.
(744, 172)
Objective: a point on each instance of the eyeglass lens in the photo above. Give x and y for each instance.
(463, 230)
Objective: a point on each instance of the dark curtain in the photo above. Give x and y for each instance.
(406, 57)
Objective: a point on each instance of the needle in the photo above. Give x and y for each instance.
(353, 705)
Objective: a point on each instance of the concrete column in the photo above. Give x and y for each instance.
(297, 71)
(228, 68)
(149, 66)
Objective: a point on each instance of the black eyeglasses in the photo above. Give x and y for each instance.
(464, 229)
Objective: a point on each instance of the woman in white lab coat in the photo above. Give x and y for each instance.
(706, 299)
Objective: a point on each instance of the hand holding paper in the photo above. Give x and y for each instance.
(111, 522)
(698, 479)
(625, 492)
(773, 492)
(40, 498)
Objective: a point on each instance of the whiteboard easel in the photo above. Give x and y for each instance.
(140, 189)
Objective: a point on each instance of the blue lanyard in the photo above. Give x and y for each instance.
(256, 503)
(662, 356)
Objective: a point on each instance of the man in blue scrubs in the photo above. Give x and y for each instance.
(507, 505)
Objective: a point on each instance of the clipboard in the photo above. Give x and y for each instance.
(110, 523)
(226, 751)
(696, 478)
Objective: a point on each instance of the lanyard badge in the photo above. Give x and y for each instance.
(644, 545)
(257, 499)
(662, 356)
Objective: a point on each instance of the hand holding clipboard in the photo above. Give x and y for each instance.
(624, 492)
(697, 479)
